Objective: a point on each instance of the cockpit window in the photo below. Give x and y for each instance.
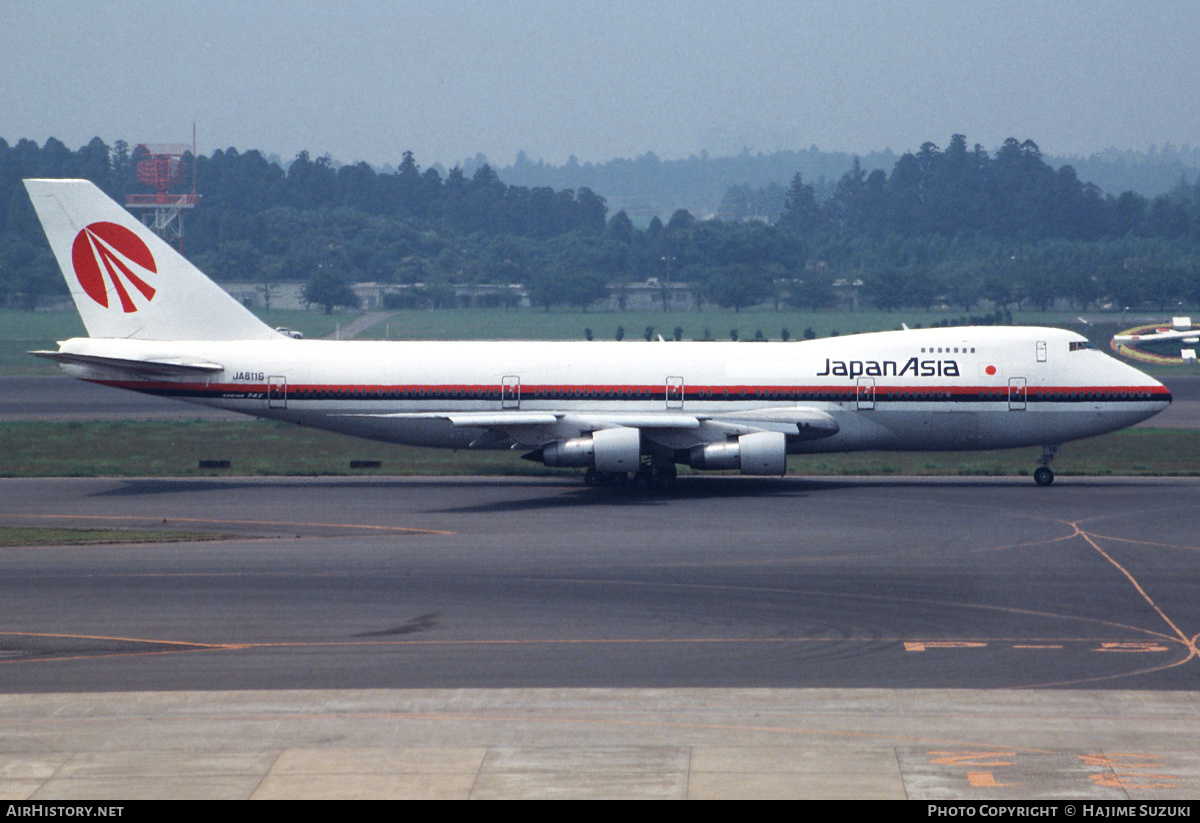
(1080, 345)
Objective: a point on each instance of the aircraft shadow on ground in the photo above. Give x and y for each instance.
(569, 492)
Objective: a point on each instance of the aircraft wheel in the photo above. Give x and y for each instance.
(591, 478)
(1043, 476)
(615, 480)
(664, 479)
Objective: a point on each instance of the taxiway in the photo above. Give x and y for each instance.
(931, 638)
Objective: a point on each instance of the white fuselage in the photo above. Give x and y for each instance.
(961, 388)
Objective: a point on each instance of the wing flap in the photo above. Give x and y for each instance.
(590, 421)
(810, 424)
(536, 428)
(480, 420)
(587, 421)
(671, 429)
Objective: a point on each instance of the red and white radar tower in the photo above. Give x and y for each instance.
(163, 168)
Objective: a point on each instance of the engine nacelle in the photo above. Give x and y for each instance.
(606, 450)
(577, 451)
(757, 453)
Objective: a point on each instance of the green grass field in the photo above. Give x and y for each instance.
(22, 331)
(539, 325)
(259, 447)
(23, 536)
(535, 324)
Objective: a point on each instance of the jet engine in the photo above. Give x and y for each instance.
(606, 450)
(757, 453)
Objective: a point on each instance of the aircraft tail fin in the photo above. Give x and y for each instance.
(126, 281)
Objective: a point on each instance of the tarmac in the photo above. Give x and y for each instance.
(992, 582)
(596, 743)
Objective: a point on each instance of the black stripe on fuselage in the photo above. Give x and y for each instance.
(772, 394)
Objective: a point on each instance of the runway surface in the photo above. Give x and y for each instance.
(729, 582)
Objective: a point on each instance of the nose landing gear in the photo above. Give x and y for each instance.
(1043, 476)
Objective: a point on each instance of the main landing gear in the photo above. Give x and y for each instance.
(609, 479)
(655, 476)
(1043, 476)
(648, 476)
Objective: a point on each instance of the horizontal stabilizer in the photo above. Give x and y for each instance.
(144, 368)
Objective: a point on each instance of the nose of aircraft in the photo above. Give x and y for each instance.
(1155, 396)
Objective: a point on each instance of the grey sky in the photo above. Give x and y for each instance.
(367, 80)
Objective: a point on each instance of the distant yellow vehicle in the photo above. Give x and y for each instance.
(1158, 343)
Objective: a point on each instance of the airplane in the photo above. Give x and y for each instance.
(157, 325)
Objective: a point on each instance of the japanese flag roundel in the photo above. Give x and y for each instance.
(107, 250)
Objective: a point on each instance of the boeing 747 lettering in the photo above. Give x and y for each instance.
(156, 324)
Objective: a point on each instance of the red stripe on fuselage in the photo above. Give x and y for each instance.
(658, 390)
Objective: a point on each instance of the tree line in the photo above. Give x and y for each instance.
(648, 185)
(1012, 196)
(950, 228)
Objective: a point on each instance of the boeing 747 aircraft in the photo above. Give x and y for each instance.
(157, 325)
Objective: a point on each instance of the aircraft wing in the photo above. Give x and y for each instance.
(671, 429)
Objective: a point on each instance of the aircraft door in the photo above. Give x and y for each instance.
(510, 392)
(277, 392)
(1016, 394)
(1041, 351)
(866, 393)
(674, 392)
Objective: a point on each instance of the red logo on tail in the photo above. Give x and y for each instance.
(107, 248)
